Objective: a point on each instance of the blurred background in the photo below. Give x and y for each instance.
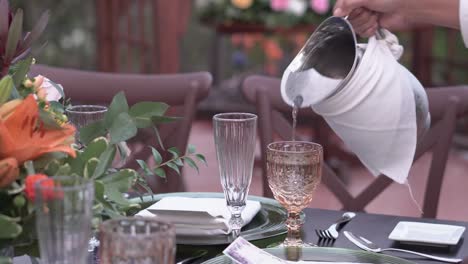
(233, 39)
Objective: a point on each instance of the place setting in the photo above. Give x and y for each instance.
(80, 183)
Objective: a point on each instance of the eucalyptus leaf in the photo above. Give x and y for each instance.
(9, 229)
(19, 201)
(144, 167)
(106, 159)
(121, 180)
(148, 109)
(143, 112)
(6, 85)
(64, 169)
(118, 105)
(123, 128)
(160, 172)
(175, 152)
(201, 158)
(191, 149)
(52, 167)
(116, 196)
(95, 148)
(191, 163)
(14, 35)
(156, 156)
(174, 167)
(92, 131)
(56, 107)
(178, 162)
(99, 191)
(90, 167)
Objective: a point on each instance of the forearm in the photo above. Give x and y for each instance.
(437, 12)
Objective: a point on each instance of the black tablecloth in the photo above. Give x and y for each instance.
(371, 226)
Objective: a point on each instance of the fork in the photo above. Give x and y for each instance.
(332, 231)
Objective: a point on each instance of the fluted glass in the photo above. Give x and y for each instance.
(137, 240)
(63, 218)
(294, 170)
(235, 135)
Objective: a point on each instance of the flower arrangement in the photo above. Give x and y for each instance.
(269, 13)
(37, 141)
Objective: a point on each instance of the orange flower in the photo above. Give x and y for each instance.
(23, 137)
(31, 181)
(272, 50)
(242, 4)
(8, 171)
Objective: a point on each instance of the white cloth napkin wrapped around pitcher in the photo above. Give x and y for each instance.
(374, 114)
(198, 216)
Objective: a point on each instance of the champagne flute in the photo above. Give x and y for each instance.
(294, 170)
(235, 135)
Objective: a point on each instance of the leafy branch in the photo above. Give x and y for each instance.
(175, 163)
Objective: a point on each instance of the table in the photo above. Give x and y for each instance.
(372, 226)
(377, 228)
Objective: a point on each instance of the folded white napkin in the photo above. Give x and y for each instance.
(374, 114)
(199, 216)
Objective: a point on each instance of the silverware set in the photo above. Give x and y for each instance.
(328, 236)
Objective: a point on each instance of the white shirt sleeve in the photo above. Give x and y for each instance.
(464, 20)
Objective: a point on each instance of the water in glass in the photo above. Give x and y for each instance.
(235, 135)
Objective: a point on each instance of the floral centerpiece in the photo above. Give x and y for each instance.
(269, 13)
(37, 141)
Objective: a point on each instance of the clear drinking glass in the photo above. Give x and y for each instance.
(235, 135)
(137, 240)
(83, 115)
(63, 218)
(294, 170)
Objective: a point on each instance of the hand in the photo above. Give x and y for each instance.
(367, 15)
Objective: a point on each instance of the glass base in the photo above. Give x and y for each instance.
(292, 253)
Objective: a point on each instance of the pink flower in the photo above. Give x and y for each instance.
(279, 5)
(320, 6)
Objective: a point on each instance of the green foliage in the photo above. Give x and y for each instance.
(175, 163)
(6, 85)
(9, 229)
(122, 122)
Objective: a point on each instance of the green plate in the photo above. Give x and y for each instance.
(324, 254)
(268, 222)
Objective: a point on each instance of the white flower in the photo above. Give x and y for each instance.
(51, 89)
(297, 7)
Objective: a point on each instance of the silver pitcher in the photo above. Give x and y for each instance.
(330, 57)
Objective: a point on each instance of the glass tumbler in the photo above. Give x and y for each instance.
(83, 115)
(235, 135)
(63, 218)
(294, 170)
(137, 240)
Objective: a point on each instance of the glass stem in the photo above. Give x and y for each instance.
(236, 224)
(294, 224)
